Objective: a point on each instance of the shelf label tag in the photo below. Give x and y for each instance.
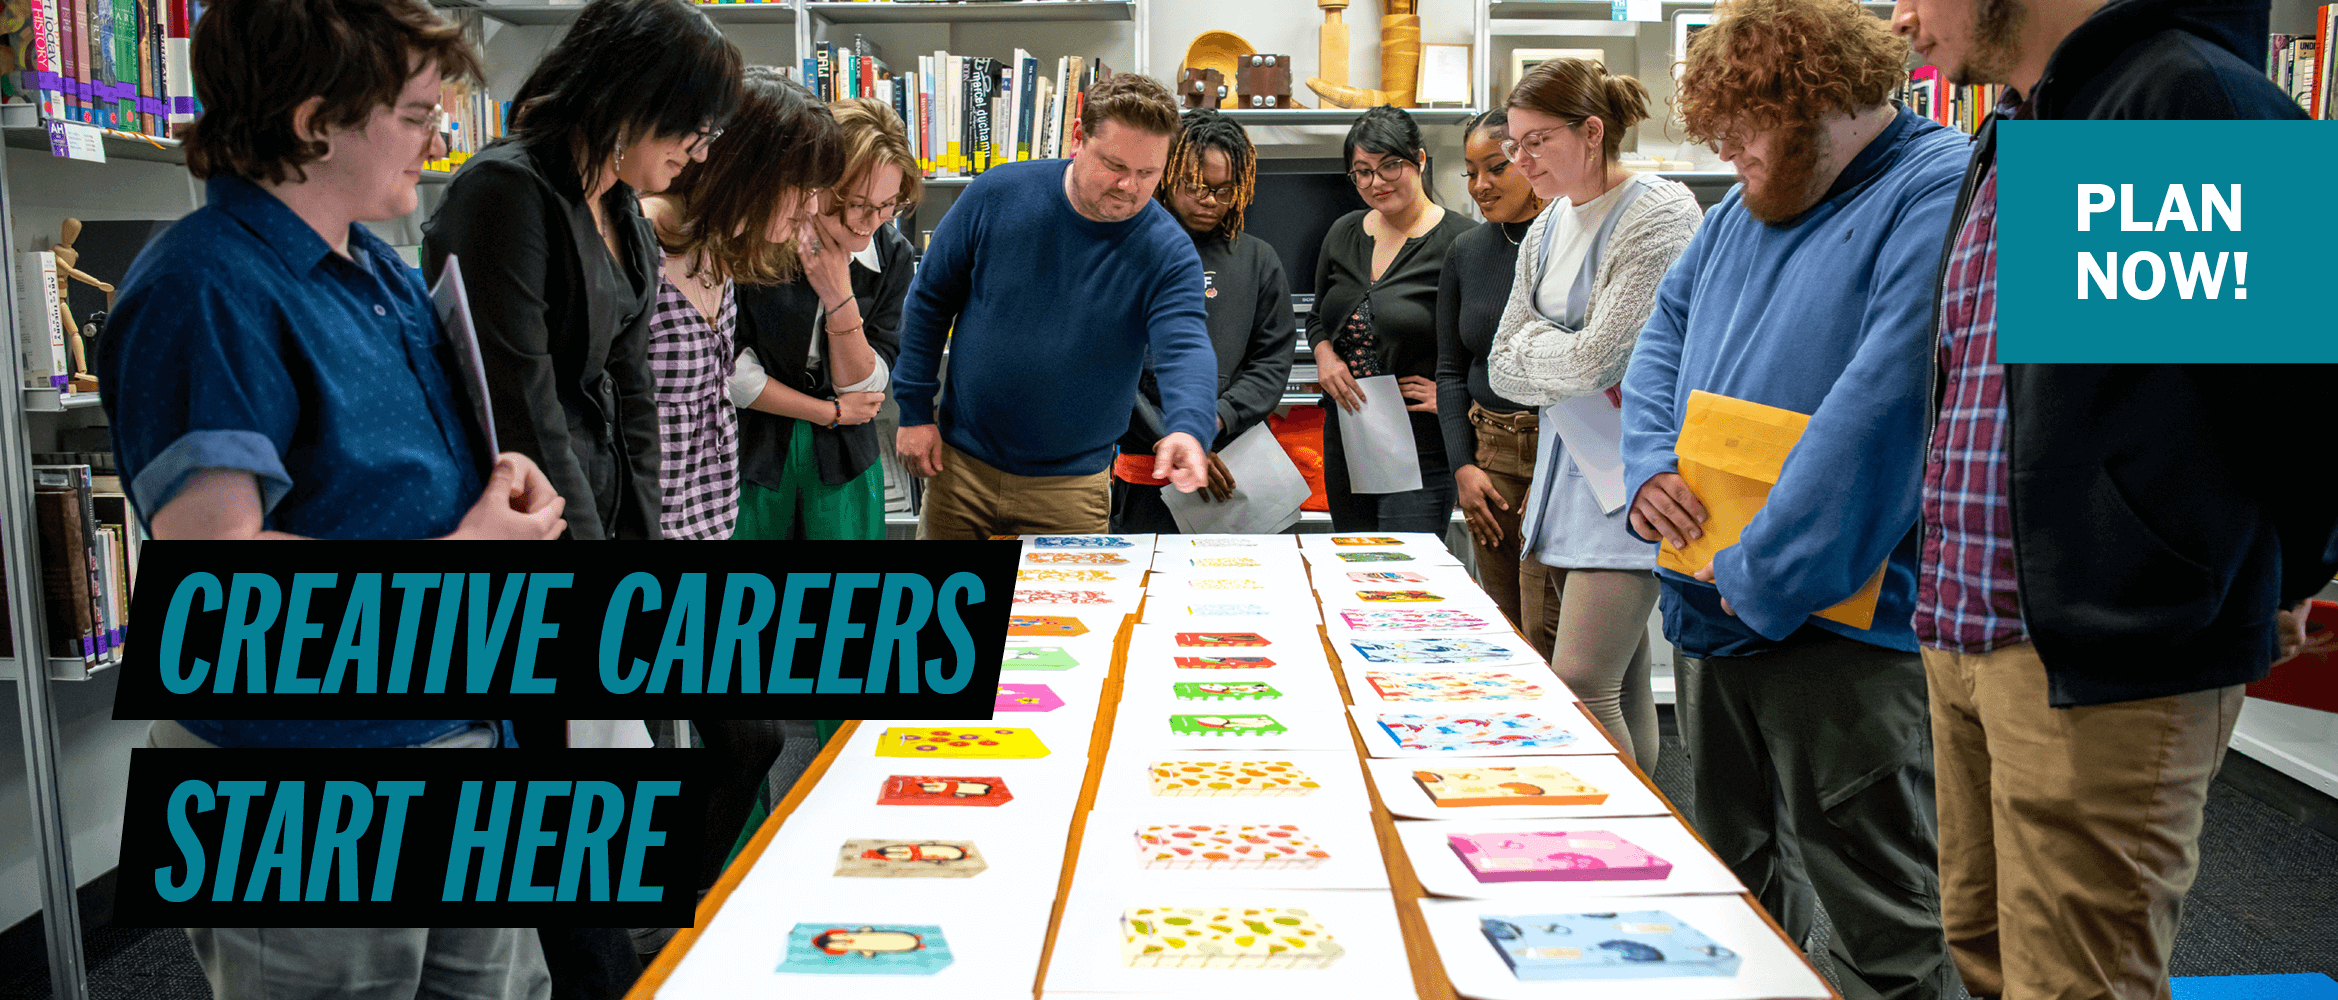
(76, 142)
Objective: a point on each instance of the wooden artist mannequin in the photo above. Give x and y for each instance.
(67, 257)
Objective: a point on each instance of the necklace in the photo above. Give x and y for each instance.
(1505, 228)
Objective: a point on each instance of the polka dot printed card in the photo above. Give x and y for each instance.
(961, 743)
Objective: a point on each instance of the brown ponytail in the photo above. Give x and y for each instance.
(1579, 89)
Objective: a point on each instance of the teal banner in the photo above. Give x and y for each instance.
(2166, 241)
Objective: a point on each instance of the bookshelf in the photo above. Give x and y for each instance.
(543, 12)
(961, 12)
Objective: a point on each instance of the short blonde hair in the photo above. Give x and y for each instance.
(874, 135)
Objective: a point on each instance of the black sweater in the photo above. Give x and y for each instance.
(1470, 299)
(2161, 512)
(563, 328)
(1404, 300)
(778, 321)
(1252, 329)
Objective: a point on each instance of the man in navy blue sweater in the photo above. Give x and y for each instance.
(1807, 289)
(1059, 278)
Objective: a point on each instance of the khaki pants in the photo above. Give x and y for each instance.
(971, 500)
(2068, 837)
(1525, 589)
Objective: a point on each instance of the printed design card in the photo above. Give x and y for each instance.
(1231, 844)
(1231, 781)
(943, 790)
(1689, 930)
(1221, 640)
(1489, 649)
(960, 743)
(1052, 577)
(1395, 620)
(1043, 543)
(1261, 610)
(1225, 937)
(1026, 698)
(1272, 543)
(1550, 728)
(1038, 658)
(1047, 626)
(1473, 733)
(1223, 691)
(1633, 944)
(1545, 860)
(1228, 944)
(1105, 558)
(1207, 562)
(1227, 847)
(868, 950)
(1223, 662)
(909, 859)
(1484, 790)
(1226, 726)
(1149, 722)
(1460, 595)
(1066, 597)
(1451, 685)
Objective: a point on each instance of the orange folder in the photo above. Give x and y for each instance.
(1730, 453)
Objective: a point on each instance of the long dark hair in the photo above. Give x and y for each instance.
(628, 70)
(782, 139)
(1199, 131)
(1388, 131)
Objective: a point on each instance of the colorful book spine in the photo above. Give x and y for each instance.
(1026, 102)
(41, 322)
(178, 70)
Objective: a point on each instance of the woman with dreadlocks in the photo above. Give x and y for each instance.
(1213, 172)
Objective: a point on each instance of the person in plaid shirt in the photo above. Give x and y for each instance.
(2109, 552)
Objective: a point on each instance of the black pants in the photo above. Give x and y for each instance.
(1813, 771)
(1429, 508)
(1138, 510)
(740, 753)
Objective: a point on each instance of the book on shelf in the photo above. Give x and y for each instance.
(40, 324)
(2304, 66)
(963, 114)
(119, 64)
(72, 588)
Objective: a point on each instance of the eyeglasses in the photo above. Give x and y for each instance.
(703, 138)
(1530, 144)
(1390, 170)
(883, 210)
(438, 124)
(1223, 194)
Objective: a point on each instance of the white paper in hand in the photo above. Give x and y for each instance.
(1593, 431)
(1378, 439)
(1268, 490)
(453, 306)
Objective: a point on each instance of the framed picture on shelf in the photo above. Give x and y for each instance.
(1685, 25)
(1522, 60)
(1444, 75)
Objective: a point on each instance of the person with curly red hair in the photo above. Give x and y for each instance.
(1807, 289)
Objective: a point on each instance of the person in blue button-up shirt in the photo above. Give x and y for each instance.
(273, 370)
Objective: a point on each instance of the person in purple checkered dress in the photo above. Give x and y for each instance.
(735, 217)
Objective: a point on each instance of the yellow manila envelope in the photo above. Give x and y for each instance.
(1731, 451)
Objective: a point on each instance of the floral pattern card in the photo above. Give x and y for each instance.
(1400, 620)
(1495, 789)
(1437, 689)
(1384, 651)
(965, 742)
(1549, 728)
(1123, 560)
(1541, 859)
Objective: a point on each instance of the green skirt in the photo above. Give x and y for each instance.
(804, 507)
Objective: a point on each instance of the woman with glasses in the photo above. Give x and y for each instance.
(818, 350)
(1490, 437)
(734, 217)
(561, 268)
(1212, 175)
(1376, 314)
(1586, 281)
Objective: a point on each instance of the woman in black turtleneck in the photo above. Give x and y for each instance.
(1489, 439)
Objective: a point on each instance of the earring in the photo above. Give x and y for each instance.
(620, 150)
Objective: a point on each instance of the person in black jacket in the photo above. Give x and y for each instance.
(1375, 314)
(2111, 550)
(1212, 176)
(561, 267)
(817, 352)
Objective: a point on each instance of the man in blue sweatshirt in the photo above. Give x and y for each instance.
(1058, 277)
(1808, 289)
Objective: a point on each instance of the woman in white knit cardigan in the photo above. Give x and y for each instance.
(1587, 276)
